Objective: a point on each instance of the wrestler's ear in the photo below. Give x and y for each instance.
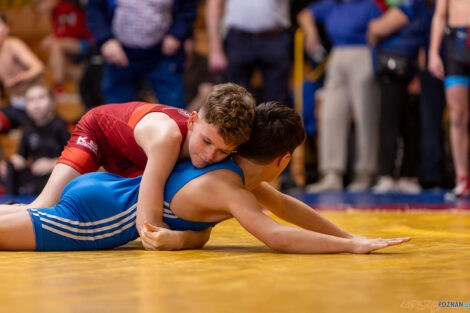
(193, 117)
(284, 160)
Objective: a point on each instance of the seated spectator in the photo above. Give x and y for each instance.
(70, 40)
(42, 141)
(19, 67)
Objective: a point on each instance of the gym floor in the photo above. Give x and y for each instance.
(237, 273)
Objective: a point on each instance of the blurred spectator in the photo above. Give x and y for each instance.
(432, 104)
(398, 34)
(19, 67)
(70, 40)
(142, 40)
(41, 144)
(349, 87)
(198, 82)
(454, 15)
(90, 81)
(257, 37)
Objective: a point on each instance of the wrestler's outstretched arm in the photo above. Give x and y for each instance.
(244, 207)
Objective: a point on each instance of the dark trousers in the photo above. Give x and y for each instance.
(271, 54)
(432, 104)
(398, 119)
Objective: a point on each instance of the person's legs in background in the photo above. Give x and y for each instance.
(166, 81)
(119, 83)
(410, 131)
(240, 58)
(334, 124)
(457, 100)
(393, 98)
(365, 102)
(432, 104)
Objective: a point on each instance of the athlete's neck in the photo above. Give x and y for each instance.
(255, 173)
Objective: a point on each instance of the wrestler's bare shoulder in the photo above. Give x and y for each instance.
(158, 122)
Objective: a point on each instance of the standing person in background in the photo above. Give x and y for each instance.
(453, 17)
(398, 35)
(71, 38)
(432, 104)
(257, 36)
(349, 86)
(19, 67)
(142, 40)
(42, 141)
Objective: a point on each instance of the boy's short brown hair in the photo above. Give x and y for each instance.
(43, 85)
(231, 108)
(277, 129)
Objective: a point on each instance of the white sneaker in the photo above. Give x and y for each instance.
(408, 185)
(331, 181)
(361, 182)
(462, 187)
(385, 184)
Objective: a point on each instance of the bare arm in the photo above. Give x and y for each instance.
(217, 59)
(296, 212)
(18, 161)
(289, 239)
(160, 139)
(307, 22)
(435, 65)
(384, 26)
(158, 238)
(33, 66)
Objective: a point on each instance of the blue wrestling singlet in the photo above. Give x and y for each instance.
(98, 210)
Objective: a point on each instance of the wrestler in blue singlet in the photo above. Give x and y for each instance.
(98, 210)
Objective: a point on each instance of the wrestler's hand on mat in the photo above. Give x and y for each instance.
(435, 65)
(367, 245)
(170, 45)
(114, 53)
(159, 238)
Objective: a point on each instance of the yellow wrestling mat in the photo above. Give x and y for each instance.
(236, 273)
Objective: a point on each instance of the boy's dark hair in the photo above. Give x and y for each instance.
(3, 17)
(277, 129)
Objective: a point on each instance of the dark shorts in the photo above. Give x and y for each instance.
(457, 58)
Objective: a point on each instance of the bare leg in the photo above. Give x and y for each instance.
(457, 98)
(50, 195)
(59, 50)
(17, 232)
(11, 209)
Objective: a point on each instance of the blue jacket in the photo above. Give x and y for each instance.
(411, 37)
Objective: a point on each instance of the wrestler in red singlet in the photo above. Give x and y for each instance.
(105, 137)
